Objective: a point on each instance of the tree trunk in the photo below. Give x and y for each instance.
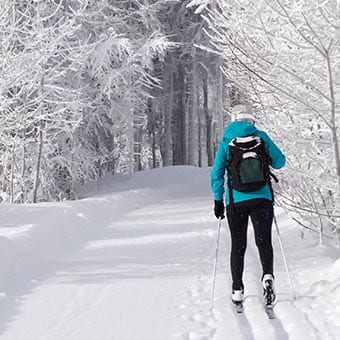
(192, 111)
(208, 120)
(152, 131)
(167, 157)
(24, 154)
(334, 141)
(40, 139)
(220, 96)
(199, 132)
(12, 172)
(23, 170)
(333, 123)
(37, 171)
(137, 147)
(179, 126)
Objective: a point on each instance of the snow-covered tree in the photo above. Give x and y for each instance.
(120, 74)
(77, 79)
(284, 55)
(192, 78)
(40, 60)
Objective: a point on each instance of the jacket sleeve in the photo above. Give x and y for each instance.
(218, 172)
(277, 158)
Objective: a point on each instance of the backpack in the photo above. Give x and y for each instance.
(248, 165)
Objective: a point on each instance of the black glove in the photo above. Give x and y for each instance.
(219, 209)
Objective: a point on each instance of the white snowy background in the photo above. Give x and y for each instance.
(133, 260)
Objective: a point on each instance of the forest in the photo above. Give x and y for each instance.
(90, 89)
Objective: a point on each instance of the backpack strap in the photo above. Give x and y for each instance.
(231, 197)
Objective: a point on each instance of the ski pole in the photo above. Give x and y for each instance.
(284, 259)
(215, 264)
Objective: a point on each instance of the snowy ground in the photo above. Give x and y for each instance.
(134, 263)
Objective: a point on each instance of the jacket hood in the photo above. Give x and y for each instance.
(238, 129)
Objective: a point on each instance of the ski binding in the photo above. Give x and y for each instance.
(269, 311)
(238, 305)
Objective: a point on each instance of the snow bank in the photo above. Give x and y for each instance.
(40, 232)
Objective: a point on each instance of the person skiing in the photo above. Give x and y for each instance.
(255, 202)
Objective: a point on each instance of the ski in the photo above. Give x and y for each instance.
(269, 311)
(238, 306)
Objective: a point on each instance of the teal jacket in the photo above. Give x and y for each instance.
(242, 129)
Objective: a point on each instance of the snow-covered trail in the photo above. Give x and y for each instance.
(144, 272)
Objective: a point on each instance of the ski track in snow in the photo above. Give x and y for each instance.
(137, 265)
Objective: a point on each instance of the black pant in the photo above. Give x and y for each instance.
(261, 213)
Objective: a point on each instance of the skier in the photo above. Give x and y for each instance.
(257, 203)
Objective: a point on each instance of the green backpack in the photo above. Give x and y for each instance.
(248, 165)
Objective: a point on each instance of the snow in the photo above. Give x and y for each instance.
(133, 261)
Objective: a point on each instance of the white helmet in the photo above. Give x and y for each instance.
(242, 112)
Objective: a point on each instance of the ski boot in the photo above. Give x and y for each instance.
(268, 290)
(237, 300)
